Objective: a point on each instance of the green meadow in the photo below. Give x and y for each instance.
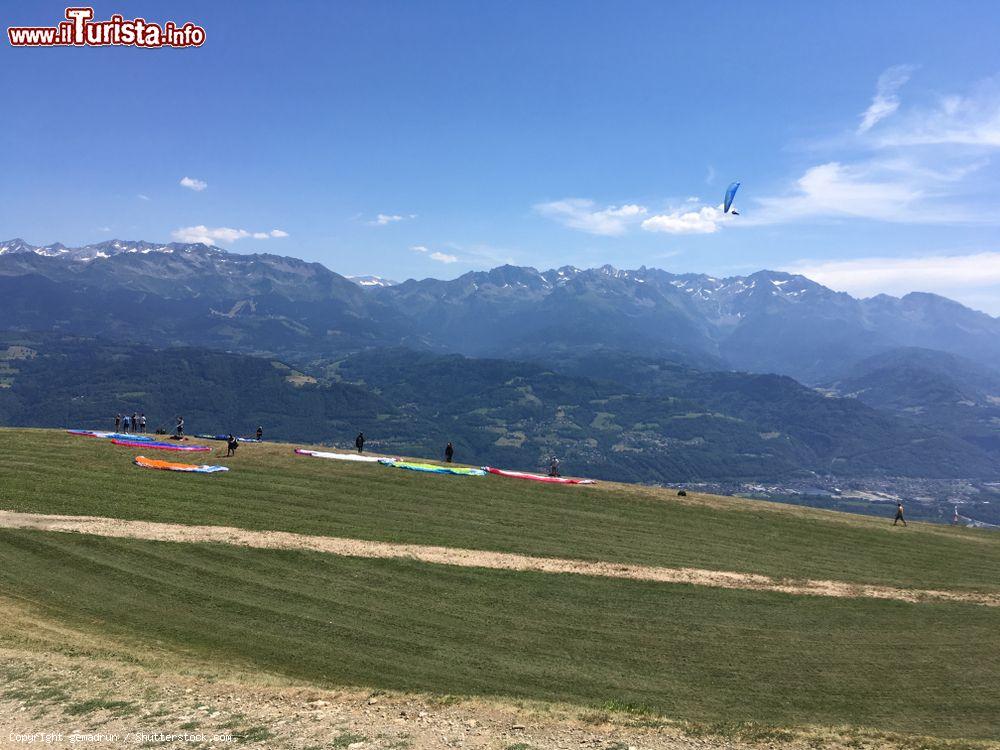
(674, 651)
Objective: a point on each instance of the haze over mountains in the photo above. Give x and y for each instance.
(765, 322)
(630, 374)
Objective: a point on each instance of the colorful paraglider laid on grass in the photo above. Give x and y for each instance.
(153, 463)
(224, 438)
(111, 435)
(536, 477)
(340, 456)
(433, 468)
(730, 195)
(154, 445)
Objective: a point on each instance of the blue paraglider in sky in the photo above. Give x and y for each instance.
(730, 194)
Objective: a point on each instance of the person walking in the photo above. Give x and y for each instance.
(899, 514)
(359, 442)
(231, 445)
(449, 452)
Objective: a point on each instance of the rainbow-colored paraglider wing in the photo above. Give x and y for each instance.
(433, 468)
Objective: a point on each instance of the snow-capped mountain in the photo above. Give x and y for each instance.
(98, 251)
(195, 294)
(768, 321)
(370, 281)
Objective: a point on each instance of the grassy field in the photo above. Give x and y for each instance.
(684, 652)
(697, 653)
(271, 488)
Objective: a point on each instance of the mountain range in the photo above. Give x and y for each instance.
(630, 374)
(766, 322)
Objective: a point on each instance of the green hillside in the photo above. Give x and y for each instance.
(610, 416)
(54, 380)
(673, 651)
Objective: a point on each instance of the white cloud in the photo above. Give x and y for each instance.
(885, 102)
(835, 189)
(193, 184)
(930, 164)
(705, 220)
(209, 235)
(142, 197)
(955, 276)
(212, 235)
(436, 255)
(893, 190)
(970, 119)
(104, 229)
(382, 219)
(580, 213)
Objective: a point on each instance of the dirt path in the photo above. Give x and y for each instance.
(468, 558)
(54, 701)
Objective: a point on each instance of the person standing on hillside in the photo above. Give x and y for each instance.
(135, 422)
(180, 426)
(359, 442)
(449, 452)
(554, 467)
(231, 445)
(142, 423)
(118, 422)
(260, 432)
(125, 424)
(899, 514)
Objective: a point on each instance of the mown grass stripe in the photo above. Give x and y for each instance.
(701, 654)
(180, 533)
(270, 488)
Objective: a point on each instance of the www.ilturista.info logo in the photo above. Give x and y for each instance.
(80, 30)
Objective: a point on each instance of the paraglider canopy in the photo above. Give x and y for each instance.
(730, 194)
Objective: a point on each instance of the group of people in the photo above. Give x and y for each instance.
(136, 423)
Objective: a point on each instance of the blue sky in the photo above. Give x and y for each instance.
(413, 139)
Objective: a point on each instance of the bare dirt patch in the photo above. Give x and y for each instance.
(169, 532)
(55, 680)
